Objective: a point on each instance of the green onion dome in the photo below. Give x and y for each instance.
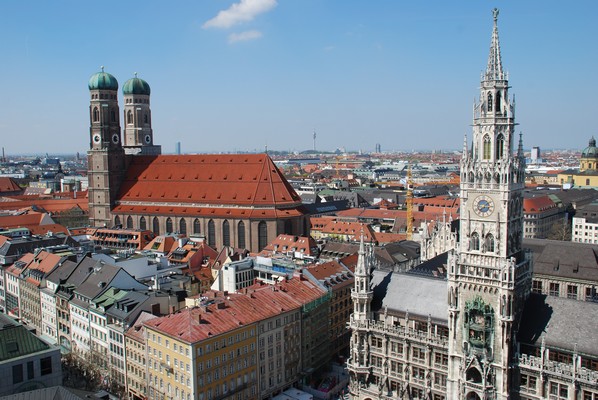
(103, 81)
(136, 86)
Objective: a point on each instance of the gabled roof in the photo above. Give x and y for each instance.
(8, 185)
(204, 181)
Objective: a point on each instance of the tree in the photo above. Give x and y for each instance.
(560, 230)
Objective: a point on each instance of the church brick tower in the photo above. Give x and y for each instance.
(106, 156)
(489, 274)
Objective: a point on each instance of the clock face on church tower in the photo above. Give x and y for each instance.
(483, 206)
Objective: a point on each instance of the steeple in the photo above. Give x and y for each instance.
(494, 68)
(362, 294)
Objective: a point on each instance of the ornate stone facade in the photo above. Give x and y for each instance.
(480, 333)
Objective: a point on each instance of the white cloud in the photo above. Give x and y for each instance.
(243, 11)
(244, 36)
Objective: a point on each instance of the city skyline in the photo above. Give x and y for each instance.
(242, 75)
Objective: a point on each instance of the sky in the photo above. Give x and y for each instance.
(240, 75)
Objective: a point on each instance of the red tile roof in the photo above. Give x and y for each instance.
(538, 204)
(8, 185)
(202, 184)
(283, 243)
(220, 314)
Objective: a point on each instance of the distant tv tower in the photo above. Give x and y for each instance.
(314, 140)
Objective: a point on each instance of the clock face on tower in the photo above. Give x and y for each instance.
(97, 138)
(483, 206)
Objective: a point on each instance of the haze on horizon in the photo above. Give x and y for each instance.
(237, 75)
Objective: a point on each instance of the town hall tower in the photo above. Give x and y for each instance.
(489, 273)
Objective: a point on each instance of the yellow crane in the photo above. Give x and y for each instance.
(409, 204)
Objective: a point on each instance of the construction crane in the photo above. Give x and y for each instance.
(409, 203)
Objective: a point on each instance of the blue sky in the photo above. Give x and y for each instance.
(236, 75)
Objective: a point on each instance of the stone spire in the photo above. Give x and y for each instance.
(494, 69)
(361, 267)
(520, 148)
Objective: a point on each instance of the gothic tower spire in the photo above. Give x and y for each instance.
(489, 273)
(494, 68)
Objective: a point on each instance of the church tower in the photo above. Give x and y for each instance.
(489, 274)
(106, 156)
(139, 137)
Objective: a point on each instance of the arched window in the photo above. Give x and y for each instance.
(142, 223)
(500, 146)
(196, 227)
(211, 233)
(475, 241)
(487, 147)
(145, 118)
(116, 221)
(241, 235)
(129, 222)
(262, 235)
(112, 115)
(225, 233)
(497, 103)
(489, 101)
(490, 243)
(96, 114)
(156, 226)
(129, 117)
(183, 226)
(474, 375)
(169, 225)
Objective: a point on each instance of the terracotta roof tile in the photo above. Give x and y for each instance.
(204, 181)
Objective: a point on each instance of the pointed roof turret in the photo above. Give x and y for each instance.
(494, 69)
(361, 269)
(520, 148)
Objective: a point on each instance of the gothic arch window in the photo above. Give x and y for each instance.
(487, 147)
(129, 222)
(156, 226)
(497, 103)
(142, 223)
(288, 227)
(183, 226)
(500, 146)
(211, 233)
(112, 115)
(475, 241)
(241, 235)
(474, 375)
(169, 225)
(129, 117)
(471, 177)
(96, 114)
(489, 101)
(262, 235)
(225, 233)
(145, 118)
(490, 243)
(116, 221)
(196, 226)
(473, 396)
